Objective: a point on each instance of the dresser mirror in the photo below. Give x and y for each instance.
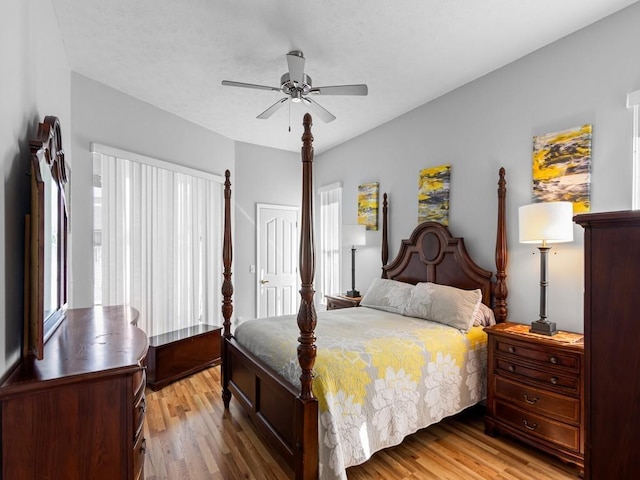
(46, 239)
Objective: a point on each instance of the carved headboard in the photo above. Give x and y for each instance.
(432, 254)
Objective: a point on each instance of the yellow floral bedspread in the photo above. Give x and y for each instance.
(378, 376)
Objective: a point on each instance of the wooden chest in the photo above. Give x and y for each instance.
(180, 353)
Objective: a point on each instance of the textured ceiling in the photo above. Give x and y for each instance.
(174, 54)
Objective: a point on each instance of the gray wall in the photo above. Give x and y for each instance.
(34, 83)
(104, 115)
(263, 175)
(583, 78)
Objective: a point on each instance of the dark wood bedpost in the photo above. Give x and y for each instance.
(307, 312)
(501, 292)
(227, 288)
(306, 458)
(385, 238)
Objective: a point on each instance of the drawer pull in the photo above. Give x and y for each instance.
(533, 426)
(553, 360)
(512, 368)
(554, 380)
(512, 349)
(532, 401)
(143, 447)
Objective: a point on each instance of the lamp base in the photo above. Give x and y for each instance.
(543, 327)
(353, 293)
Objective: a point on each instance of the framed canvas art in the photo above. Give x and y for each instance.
(368, 205)
(433, 194)
(562, 167)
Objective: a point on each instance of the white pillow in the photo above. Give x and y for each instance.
(444, 304)
(484, 317)
(388, 295)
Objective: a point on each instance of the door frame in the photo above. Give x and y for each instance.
(271, 206)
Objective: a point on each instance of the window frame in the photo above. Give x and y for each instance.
(336, 250)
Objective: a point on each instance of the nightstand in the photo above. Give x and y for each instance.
(335, 302)
(535, 389)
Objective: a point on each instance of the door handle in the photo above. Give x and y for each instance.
(262, 282)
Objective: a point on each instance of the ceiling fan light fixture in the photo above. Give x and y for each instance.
(296, 85)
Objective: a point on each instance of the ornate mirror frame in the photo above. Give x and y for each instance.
(46, 239)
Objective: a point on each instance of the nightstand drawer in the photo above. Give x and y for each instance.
(549, 379)
(538, 400)
(335, 302)
(544, 428)
(547, 357)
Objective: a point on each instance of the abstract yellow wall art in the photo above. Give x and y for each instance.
(433, 194)
(368, 205)
(562, 167)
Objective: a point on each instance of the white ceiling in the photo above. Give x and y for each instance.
(174, 54)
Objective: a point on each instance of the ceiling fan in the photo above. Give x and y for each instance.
(297, 86)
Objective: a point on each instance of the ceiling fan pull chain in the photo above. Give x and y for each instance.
(289, 117)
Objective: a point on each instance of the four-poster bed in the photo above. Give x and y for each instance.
(280, 394)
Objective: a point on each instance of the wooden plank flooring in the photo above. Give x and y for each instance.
(191, 437)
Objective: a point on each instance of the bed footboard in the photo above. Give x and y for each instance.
(287, 421)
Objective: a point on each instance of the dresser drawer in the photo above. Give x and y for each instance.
(139, 452)
(544, 428)
(538, 400)
(139, 381)
(563, 359)
(549, 379)
(139, 410)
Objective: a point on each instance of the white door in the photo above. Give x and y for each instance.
(277, 262)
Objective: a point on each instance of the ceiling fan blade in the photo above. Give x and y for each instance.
(322, 112)
(229, 83)
(295, 60)
(272, 109)
(360, 89)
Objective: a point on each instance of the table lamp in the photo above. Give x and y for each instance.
(544, 223)
(354, 235)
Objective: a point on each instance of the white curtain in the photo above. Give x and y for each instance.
(161, 233)
(330, 222)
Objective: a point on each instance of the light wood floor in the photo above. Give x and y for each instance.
(190, 436)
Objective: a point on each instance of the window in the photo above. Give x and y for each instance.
(330, 223)
(633, 101)
(157, 239)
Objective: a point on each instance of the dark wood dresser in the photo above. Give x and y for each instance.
(612, 346)
(78, 412)
(534, 389)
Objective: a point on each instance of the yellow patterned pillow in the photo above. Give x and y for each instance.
(444, 304)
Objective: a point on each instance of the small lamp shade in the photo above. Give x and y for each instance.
(354, 235)
(547, 222)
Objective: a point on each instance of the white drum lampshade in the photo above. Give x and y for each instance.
(548, 222)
